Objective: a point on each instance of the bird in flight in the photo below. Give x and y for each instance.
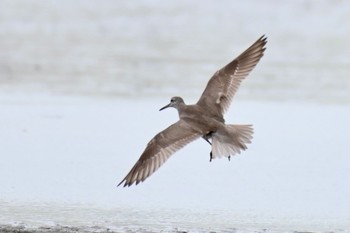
(204, 119)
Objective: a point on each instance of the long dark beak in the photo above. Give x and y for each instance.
(166, 106)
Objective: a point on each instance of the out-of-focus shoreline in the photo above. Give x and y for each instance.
(173, 48)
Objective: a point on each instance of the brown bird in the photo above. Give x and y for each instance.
(204, 119)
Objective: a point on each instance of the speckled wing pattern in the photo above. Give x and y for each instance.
(221, 88)
(158, 150)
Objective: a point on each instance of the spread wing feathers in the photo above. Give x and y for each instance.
(158, 150)
(221, 88)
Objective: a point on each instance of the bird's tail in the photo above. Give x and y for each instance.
(231, 140)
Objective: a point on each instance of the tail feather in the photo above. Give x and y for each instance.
(231, 140)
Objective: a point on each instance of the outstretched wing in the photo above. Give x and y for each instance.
(158, 150)
(221, 88)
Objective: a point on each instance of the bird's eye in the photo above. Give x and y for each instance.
(172, 100)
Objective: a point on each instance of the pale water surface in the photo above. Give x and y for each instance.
(62, 158)
(81, 84)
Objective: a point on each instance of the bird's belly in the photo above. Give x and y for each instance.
(203, 125)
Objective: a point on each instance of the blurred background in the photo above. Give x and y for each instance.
(150, 48)
(77, 76)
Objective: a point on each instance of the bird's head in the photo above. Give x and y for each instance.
(174, 102)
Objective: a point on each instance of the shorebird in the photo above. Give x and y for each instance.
(204, 119)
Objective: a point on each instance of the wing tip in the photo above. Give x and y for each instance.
(263, 38)
(123, 181)
(263, 41)
(256, 50)
(126, 183)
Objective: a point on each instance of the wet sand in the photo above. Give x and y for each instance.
(56, 229)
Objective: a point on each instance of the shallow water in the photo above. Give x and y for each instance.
(92, 218)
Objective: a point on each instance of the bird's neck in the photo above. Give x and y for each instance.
(181, 109)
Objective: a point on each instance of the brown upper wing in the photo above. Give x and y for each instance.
(221, 88)
(158, 150)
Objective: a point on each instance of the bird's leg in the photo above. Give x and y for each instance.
(206, 138)
(229, 158)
